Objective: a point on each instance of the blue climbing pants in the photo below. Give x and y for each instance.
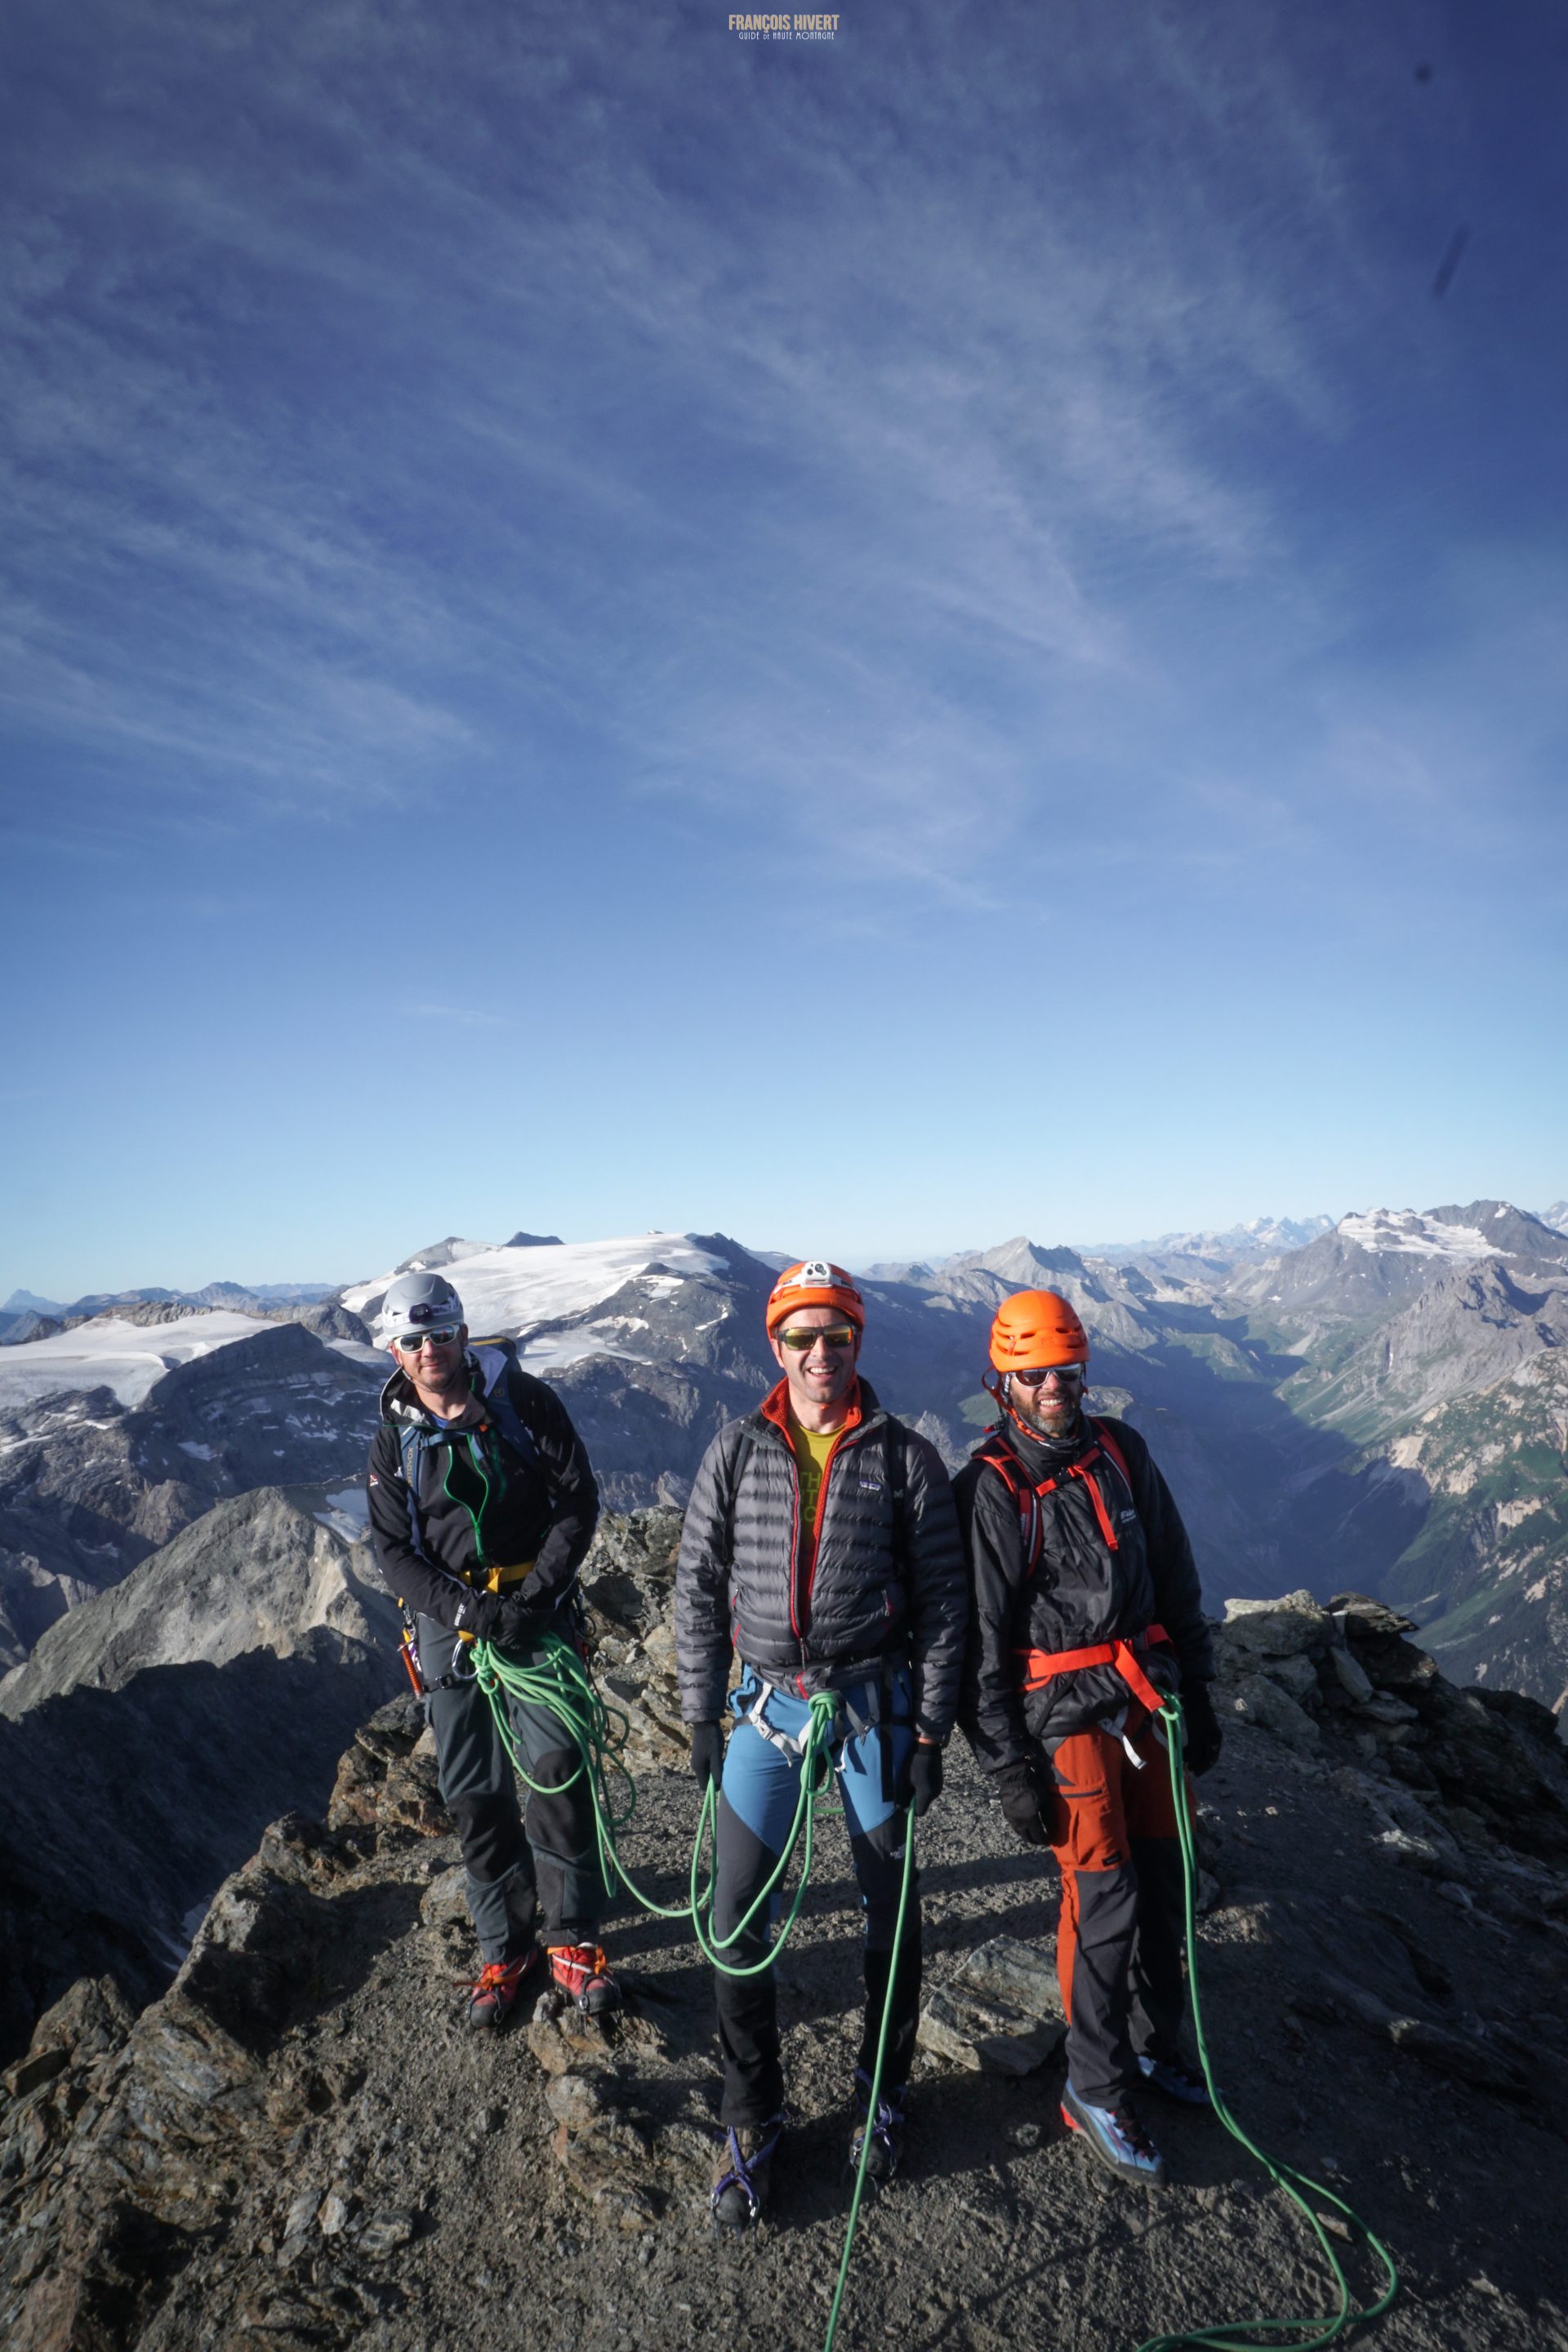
(756, 1807)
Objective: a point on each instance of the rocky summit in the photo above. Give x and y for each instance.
(300, 2143)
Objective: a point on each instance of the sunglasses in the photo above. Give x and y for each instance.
(1069, 1376)
(837, 1335)
(441, 1338)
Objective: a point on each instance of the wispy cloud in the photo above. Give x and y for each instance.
(875, 439)
(460, 1016)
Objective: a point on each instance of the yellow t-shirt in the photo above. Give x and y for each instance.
(812, 1448)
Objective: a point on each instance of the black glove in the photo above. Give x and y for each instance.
(706, 1754)
(517, 1621)
(919, 1782)
(1204, 1737)
(476, 1614)
(1021, 1802)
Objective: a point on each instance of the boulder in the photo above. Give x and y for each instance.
(1258, 1701)
(1000, 2012)
(1295, 1625)
(1349, 1673)
(1297, 1677)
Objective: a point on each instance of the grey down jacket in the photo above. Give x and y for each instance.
(885, 1578)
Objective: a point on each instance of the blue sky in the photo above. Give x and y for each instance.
(873, 645)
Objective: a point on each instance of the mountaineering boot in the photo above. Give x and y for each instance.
(742, 2175)
(583, 1973)
(1176, 2082)
(887, 2129)
(493, 1994)
(1117, 2137)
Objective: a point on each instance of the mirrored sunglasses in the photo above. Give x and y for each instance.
(836, 1335)
(1070, 1376)
(441, 1338)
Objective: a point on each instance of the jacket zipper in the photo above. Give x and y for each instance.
(447, 1490)
(827, 1468)
(794, 1550)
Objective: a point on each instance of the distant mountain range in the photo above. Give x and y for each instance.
(1377, 1405)
(27, 1316)
(1259, 1237)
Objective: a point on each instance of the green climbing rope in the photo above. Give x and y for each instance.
(560, 1682)
(875, 2091)
(815, 1779)
(1302, 2191)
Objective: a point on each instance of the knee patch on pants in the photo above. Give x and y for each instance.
(491, 1834)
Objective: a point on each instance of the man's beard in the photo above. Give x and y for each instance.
(1062, 1426)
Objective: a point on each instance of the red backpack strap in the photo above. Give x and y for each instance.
(1102, 1431)
(999, 1455)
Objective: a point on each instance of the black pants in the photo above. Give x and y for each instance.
(513, 1860)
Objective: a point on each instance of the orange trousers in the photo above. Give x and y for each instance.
(1119, 1937)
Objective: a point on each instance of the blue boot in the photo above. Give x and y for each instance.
(1176, 2082)
(1117, 2137)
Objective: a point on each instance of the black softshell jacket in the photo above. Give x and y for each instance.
(480, 1503)
(881, 1579)
(1080, 1594)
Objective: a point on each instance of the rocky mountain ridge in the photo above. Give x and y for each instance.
(157, 1729)
(90, 1484)
(1283, 1397)
(298, 2144)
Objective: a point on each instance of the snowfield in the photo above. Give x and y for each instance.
(1406, 1231)
(509, 1293)
(129, 1358)
(123, 1357)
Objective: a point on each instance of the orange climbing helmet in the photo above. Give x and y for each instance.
(815, 1282)
(1034, 1328)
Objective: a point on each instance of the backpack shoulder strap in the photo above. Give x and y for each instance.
(502, 1401)
(413, 1443)
(745, 1448)
(1109, 1446)
(999, 1455)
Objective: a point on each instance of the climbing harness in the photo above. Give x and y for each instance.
(1042, 1665)
(1224, 2337)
